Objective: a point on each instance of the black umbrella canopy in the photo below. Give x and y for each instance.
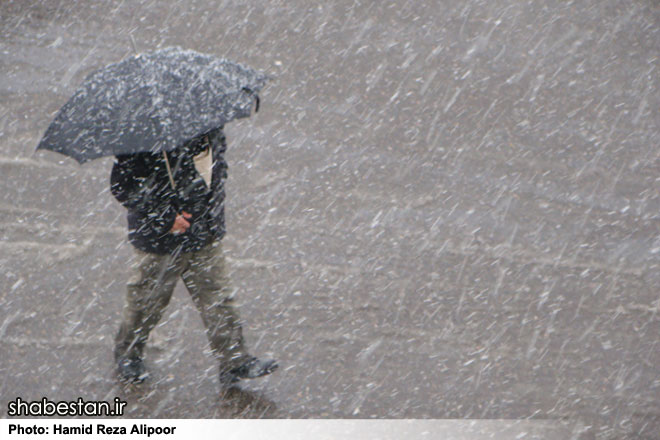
(153, 102)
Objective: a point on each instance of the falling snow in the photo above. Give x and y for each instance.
(442, 210)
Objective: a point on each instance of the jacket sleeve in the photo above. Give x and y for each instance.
(138, 182)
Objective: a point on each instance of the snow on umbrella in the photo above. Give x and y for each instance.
(152, 103)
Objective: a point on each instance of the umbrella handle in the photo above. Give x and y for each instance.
(169, 170)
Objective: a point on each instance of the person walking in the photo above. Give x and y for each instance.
(175, 202)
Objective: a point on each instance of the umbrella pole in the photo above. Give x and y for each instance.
(169, 170)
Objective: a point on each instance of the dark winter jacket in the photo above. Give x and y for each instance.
(141, 183)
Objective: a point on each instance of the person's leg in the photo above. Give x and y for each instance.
(148, 292)
(206, 279)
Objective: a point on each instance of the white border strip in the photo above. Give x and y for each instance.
(287, 429)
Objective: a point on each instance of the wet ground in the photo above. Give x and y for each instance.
(443, 210)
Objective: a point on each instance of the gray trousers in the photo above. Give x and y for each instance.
(150, 288)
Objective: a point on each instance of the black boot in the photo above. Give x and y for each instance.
(132, 369)
(250, 369)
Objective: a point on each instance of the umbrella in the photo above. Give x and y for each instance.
(152, 103)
